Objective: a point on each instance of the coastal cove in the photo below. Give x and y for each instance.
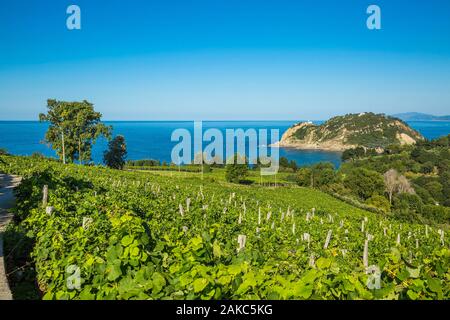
(151, 139)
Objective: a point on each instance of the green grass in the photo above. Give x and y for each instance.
(218, 175)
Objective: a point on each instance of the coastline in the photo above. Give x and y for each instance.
(152, 140)
(312, 147)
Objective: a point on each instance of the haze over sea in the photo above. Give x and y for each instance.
(151, 139)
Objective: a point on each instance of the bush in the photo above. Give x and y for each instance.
(435, 189)
(323, 174)
(236, 172)
(37, 155)
(379, 202)
(408, 202)
(316, 176)
(293, 165)
(303, 177)
(286, 165)
(424, 195)
(324, 177)
(351, 154)
(364, 183)
(437, 214)
(427, 167)
(284, 162)
(145, 163)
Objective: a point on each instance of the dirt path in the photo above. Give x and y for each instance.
(7, 184)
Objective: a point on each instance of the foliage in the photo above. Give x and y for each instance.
(236, 171)
(317, 175)
(408, 202)
(364, 183)
(144, 163)
(21, 279)
(358, 153)
(422, 169)
(304, 177)
(323, 173)
(380, 202)
(129, 238)
(206, 168)
(437, 213)
(115, 156)
(284, 164)
(73, 127)
(38, 155)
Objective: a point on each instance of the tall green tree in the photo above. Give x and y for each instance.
(237, 170)
(304, 177)
(293, 165)
(284, 162)
(73, 128)
(115, 156)
(364, 183)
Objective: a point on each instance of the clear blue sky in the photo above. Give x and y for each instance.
(225, 59)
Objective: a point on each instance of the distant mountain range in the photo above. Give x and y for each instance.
(417, 116)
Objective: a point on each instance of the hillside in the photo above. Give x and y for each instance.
(427, 168)
(416, 116)
(340, 133)
(142, 236)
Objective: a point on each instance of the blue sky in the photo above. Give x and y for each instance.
(225, 59)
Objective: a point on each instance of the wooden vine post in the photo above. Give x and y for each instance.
(366, 253)
(45, 196)
(327, 241)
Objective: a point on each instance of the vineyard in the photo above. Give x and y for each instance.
(139, 235)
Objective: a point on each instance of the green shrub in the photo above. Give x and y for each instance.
(303, 177)
(408, 202)
(236, 172)
(379, 202)
(436, 213)
(364, 183)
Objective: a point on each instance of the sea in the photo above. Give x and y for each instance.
(152, 139)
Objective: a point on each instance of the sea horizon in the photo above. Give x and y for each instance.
(151, 139)
(251, 120)
(223, 120)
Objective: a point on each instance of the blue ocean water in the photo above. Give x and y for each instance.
(152, 139)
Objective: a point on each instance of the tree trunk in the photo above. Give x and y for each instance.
(79, 151)
(63, 149)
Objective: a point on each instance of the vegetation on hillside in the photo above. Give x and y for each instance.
(138, 235)
(236, 171)
(101, 233)
(411, 182)
(368, 130)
